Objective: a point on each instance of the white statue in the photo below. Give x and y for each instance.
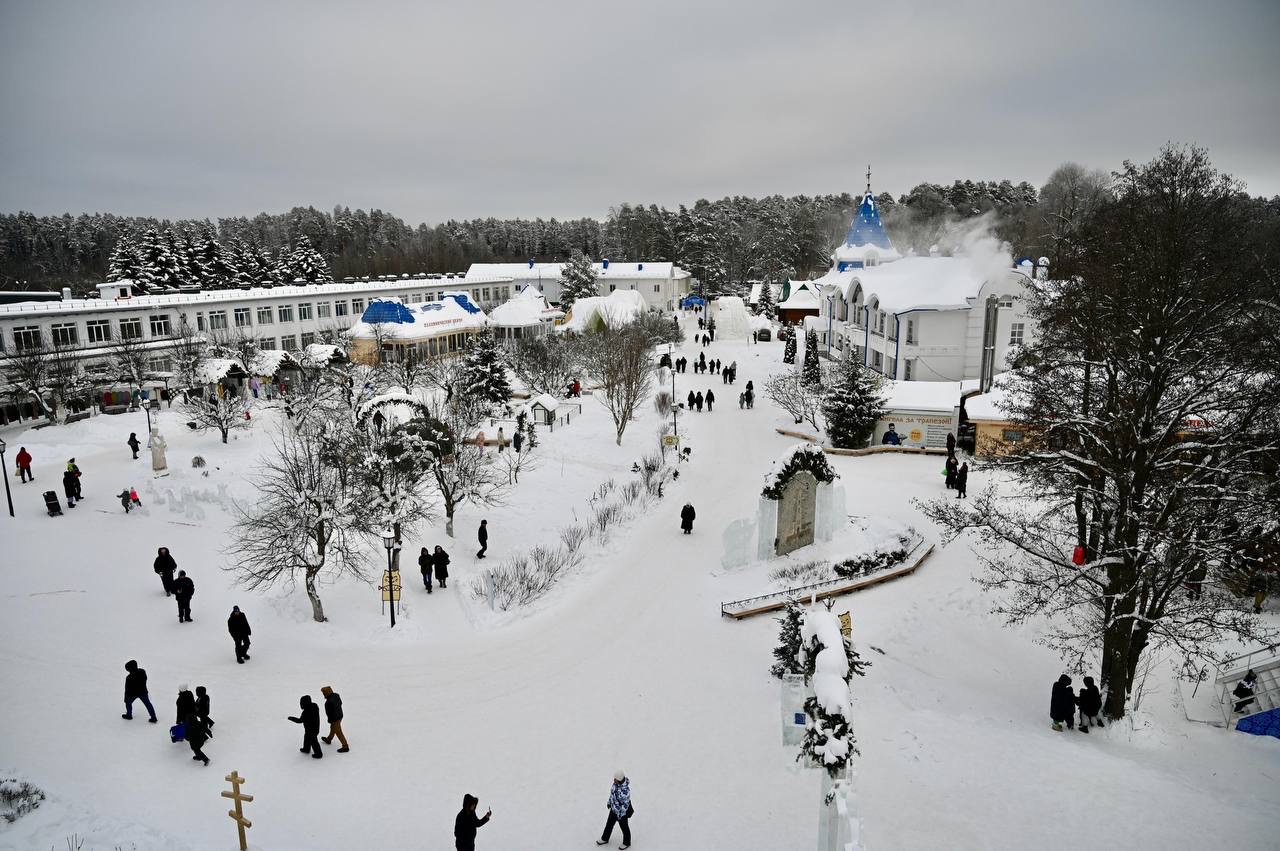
(159, 463)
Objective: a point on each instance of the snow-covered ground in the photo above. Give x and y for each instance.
(626, 664)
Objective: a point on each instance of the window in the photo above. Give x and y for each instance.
(264, 316)
(877, 361)
(289, 343)
(217, 320)
(657, 288)
(99, 330)
(486, 294)
(911, 332)
(285, 312)
(892, 371)
(1006, 301)
(907, 371)
(268, 344)
(1015, 333)
(160, 364)
(1012, 435)
(357, 305)
(340, 308)
(304, 311)
(160, 325)
(27, 337)
(243, 319)
(199, 321)
(612, 288)
(308, 337)
(131, 329)
(64, 334)
(322, 310)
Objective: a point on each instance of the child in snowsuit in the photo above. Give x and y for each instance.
(133, 444)
(124, 499)
(133, 497)
(1090, 703)
(1062, 704)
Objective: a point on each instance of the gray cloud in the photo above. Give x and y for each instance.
(561, 108)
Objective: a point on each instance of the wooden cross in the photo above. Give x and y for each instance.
(237, 813)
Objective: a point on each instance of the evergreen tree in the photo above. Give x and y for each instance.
(578, 280)
(484, 371)
(305, 263)
(158, 267)
(852, 403)
(216, 263)
(768, 305)
(789, 353)
(828, 737)
(812, 368)
(252, 266)
(787, 654)
(124, 263)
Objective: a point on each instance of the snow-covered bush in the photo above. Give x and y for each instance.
(573, 536)
(17, 798)
(812, 369)
(789, 392)
(198, 462)
(829, 663)
(877, 560)
(786, 655)
(791, 574)
(524, 577)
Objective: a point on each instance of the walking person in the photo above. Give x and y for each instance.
(196, 731)
(962, 480)
(502, 440)
(74, 469)
(123, 496)
(1090, 703)
(517, 440)
(184, 589)
(185, 704)
(691, 400)
(135, 688)
(466, 823)
(309, 718)
(23, 459)
(697, 401)
(482, 534)
(238, 626)
(1062, 704)
(333, 714)
(686, 518)
(441, 559)
(620, 810)
(134, 444)
(949, 470)
(203, 704)
(425, 566)
(711, 400)
(751, 398)
(1244, 690)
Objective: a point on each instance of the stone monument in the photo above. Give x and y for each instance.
(796, 513)
(159, 464)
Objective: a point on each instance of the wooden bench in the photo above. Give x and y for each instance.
(75, 418)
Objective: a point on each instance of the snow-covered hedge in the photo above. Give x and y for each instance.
(802, 456)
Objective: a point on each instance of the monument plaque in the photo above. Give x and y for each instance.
(796, 512)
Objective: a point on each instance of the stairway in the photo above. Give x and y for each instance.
(1262, 716)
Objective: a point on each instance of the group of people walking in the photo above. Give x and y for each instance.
(309, 718)
(697, 400)
(434, 563)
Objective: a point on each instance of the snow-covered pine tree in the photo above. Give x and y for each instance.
(252, 268)
(852, 403)
(578, 280)
(484, 371)
(830, 663)
(767, 305)
(124, 263)
(158, 267)
(305, 263)
(216, 263)
(786, 655)
(789, 353)
(188, 249)
(812, 368)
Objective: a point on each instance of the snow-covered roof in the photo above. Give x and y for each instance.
(320, 354)
(922, 395)
(269, 361)
(398, 321)
(525, 308)
(618, 308)
(753, 297)
(914, 283)
(546, 400)
(213, 370)
(614, 269)
(988, 407)
(803, 296)
(866, 236)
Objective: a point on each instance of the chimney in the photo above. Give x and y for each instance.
(66, 293)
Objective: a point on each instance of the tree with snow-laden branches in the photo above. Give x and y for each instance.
(301, 524)
(829, 664)
(1149, 403)
(812, 368)
(578, 280)
(547, 364)
(224, 413)
(787, 655)
(852, 402)
(789, 392)
(303, 264)
(463, 471)
(789, 351)
(484, 371)
(767, 305)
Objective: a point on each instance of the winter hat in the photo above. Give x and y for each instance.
(235, 608)
(619, 776)
(182, 687)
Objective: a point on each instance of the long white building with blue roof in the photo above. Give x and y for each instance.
(919, 318)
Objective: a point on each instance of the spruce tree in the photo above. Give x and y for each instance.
(305, 263)
(158, 268)
(789, 353)
(767, 306)
(852, 403)
(484, 370)
(578, 280)
(124, 263)
(812, 368)
(787, 654)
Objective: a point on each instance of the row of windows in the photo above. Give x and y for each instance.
(246, 317)
(657, 288)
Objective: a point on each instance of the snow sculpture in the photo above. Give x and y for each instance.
(738, 538)
(731, 318)
(159, 464)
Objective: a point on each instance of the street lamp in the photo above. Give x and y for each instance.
(5, 465)
(389, 541)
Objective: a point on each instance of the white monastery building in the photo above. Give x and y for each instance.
(661, 284)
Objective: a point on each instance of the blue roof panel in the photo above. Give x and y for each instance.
(866, 228)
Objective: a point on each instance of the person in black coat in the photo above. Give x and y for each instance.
(467, 822)
(203, 704)
(686, 518)
(184, 589)
(441, 559)
(70, 488)
(1062, 704)
(962, 480)
(1090, 703)
(185, 704)
(133, 444)
(164, 566)
(1245, 689)
(711, 400)
(697, 401)
(135, 688)
(426, 564)
(950, 468)
(482, 535)
(196, 732)
(691, 400)
(238, 626)
(951, 444)
(309, 718)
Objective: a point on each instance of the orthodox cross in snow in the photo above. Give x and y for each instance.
(868, 178)
(238, 814)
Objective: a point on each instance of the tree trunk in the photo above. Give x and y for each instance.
(317, 608)
(224, 434)
(448, 522)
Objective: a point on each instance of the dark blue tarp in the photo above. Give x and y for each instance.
(1263, 724)
(386, 311)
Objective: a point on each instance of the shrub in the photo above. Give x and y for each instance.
(792, 574)
(198, 462)
(17, 798)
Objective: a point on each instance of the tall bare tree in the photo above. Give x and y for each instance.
(224, 413)
(619, 361)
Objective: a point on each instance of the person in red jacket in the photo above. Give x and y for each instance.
(24, 465)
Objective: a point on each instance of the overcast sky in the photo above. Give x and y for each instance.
(563, 108)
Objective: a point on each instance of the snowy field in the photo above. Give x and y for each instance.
(626, 664)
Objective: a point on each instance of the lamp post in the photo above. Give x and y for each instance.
(5, 465)
(389, 541)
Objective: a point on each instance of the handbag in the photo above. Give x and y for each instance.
(177, 732)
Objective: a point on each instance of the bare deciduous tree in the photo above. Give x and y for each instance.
(789, 392)
(547, 364)
(224, 413)
(189, 351)
(618, 360)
